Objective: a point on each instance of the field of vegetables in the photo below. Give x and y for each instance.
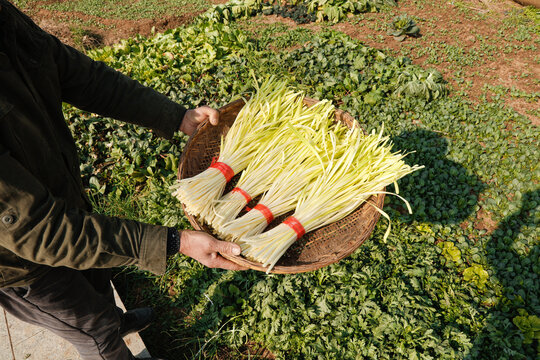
(457, 279)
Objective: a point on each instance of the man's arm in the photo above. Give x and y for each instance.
(93, 86)
(40, 228)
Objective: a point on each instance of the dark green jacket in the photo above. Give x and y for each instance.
(45, 217)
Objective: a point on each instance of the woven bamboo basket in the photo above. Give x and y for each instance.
(314, 250)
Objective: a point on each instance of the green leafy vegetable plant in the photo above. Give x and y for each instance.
(477, 275)
(529, 326)
(450, 251)
(403, 26)
(336, 10)
(297, 12)
(423, 84)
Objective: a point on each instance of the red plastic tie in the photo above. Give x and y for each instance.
(294, 224)
(225, 169)
(244, 194)
(214, 160)
(266, 212)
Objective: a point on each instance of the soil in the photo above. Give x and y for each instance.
(518, 69)
(505, 69)
(110, 32)
(485, 222)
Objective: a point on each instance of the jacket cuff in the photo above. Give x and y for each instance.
(170, 118)
(154, 249)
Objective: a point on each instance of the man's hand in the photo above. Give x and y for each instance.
(206, 250)
(194, 117)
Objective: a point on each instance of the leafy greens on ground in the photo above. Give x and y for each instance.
(457, 279)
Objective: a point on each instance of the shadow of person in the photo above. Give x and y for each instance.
(513, 252)
(172, 334)
(444, 192)
(227, 301)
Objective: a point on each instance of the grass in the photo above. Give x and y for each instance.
(278, 35)
(22, 3)
(524, 22)
(84, 38)
(130, 10)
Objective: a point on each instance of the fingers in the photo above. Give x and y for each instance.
(227, 248)
(213, 115)
(206, 249)
(222, 263)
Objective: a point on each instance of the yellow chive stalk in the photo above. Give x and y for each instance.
(255, 125)
(363, 170)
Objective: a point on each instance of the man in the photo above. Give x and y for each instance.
(55, 255)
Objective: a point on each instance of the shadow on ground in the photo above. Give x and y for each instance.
(447, 193)
(513, 253)
(444, 192)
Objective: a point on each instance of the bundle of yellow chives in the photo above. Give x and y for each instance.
(255, 124)
(364, 169)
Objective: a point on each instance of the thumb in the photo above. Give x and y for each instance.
(213, 116)
(228, 248)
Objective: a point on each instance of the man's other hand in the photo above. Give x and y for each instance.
(194, 117)
(206, 250)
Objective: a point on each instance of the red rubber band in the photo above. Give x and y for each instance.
(244, 194)
(294, 224)
(266, 212)
(225, 169)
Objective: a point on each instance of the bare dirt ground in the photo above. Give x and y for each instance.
(469, 42)
(517, 70)
(114, 30)
(499, 70)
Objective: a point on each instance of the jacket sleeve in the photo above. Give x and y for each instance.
(40, 228)
(93, 86)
